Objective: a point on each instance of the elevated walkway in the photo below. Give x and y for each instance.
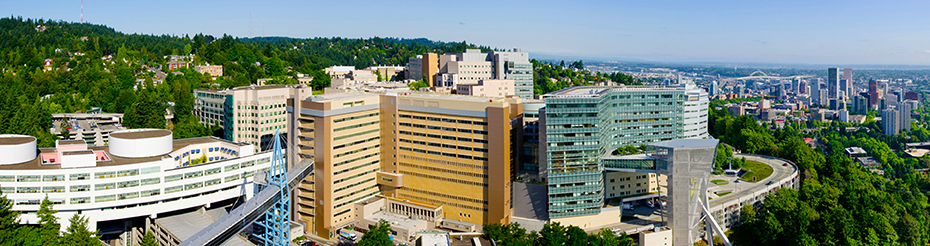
(237, 219)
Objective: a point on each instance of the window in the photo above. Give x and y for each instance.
(129, 195)
(7, 178)
(193, 186)
(232, 178)
(212, 171)
(103, 175)
(126, 184)
(80, 188)
(48, 178)
(174, 189)
(175, 177)
(105, 198)
(106, 186)
(147, 193)
(151, 181)
(125, 173)
(149, 170)
(232, 167)
(193, 174)
(27, 189)
(211, 182)
(28, 178)
(53, 189)
(80, 200)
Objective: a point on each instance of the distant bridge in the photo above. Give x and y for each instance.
(761, 75)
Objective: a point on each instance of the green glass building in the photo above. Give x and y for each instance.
(582, 125)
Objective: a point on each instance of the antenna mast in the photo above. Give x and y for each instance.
(82, 11)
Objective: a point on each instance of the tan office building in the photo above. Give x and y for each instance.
(430, 65)
(342, 134)
(452, 151)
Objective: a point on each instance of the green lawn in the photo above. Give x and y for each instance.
(758, 170)
(724, 193)
(719, 182)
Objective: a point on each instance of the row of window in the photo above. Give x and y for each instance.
(477, 158)
(448, 146)
(446, 120)
(355, 117)
(443, 170)
(77, 176)
(451, 129)
(445, 137)
(129, 195)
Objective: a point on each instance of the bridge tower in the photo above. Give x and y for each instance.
(273, 227)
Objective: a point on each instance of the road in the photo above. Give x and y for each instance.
(779, 172)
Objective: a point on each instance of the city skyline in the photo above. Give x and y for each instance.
(741, 32)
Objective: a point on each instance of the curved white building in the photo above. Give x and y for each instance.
(142, 173)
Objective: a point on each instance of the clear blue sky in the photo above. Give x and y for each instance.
(815, 32)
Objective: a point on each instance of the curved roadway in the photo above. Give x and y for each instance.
(780, 173)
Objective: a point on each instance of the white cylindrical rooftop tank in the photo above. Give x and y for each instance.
(137, 143)
(17, 149)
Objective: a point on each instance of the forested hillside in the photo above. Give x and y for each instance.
(839, 202)
(96, 66)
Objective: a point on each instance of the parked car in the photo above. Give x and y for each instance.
(650, 204)
(786, 164)
(770, 183)
(628, 206)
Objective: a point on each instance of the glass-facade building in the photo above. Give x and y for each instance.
(582, 124)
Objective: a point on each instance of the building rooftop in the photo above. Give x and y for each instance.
(687, 143)
(856, 151)
(596, 91)
(141, 134)
(15, 139)
(339, 97)
(36, 164)
(186, 225)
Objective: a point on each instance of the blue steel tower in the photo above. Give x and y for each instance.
(273, 227)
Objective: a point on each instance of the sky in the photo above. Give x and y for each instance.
(757, 31)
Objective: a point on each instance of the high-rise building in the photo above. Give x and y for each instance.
(833, 82)
(713, 89)
(847, 74)
(514, 65)
(450, 153)
(430, 65)
(815, 90)
(414, 69)
(455, 151)
(796, 86)
(860, 104)
(582, 124)
(342, 134)
(249, 114)
(890, 122)
(904, 116)
(873, 93)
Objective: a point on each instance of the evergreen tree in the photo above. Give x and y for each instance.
(148, 240)
(377, 235)
(77, 233)
(147, 112)
(48, 223)
(9, 220)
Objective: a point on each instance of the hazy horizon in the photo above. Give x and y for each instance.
(848, 32)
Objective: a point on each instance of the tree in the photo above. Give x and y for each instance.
(377, 235)
(78, 234)
(508, 235)
(148, 240)
(9, 219)
(48, 223)
(552, 234)
(147, 112)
